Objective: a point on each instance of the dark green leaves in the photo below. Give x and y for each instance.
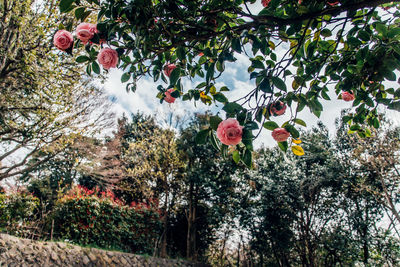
(65, 5)
(248, 158)
(95, 67)
(236, 45)
(125, 77)
(82, 59)
(201, 136)
(283, 146)
(173, 78)
(181, 53)
(279, 83)
(214, 122)
(265, 86)
(270, 125)
(300, 122)
(293, 131)
(220, 98)
(232, 107)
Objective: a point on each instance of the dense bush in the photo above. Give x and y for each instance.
(17, 209)
(98, 218)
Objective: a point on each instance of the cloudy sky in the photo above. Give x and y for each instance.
(235, 77)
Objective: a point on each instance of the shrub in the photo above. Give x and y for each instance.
(90, 217)
(17, 209)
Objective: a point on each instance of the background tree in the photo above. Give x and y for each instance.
(44, 105)
(377, 158)
(207, 190)
(291, 207)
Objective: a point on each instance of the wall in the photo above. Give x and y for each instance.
(24, 252)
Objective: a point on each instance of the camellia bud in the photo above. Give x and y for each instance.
(169, 68)
(347, 96)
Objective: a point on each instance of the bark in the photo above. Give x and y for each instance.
(164, 241)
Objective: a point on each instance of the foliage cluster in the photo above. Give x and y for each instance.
(17, 208)
(300, 53)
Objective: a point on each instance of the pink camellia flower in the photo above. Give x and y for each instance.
(168, 98)
(168, 69)
(278, 108)
(347, 96)
(229, 132)
(280, 134)
(265, 2)
(108, 58)
(63, 40)
(85, 32)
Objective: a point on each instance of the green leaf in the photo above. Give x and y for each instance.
(257, 64)
(95, 67)
(215, 142)
(283, 146)
(248, 158)
(220, 98)
(173, 78)
(236, 45)
(364, 35)
(181, 53)
(82, 59)
(79, 12)
(232, 107)
(300, 122)
(381, 28)
(201, 136)
(210, 72)
(265, 86)
(355, 127)
(252, 125)
(376, 123)
(326, 32)
(214, 122)
(279, 83)
(292, 130)
(390, 75)
(125, 77)
(176, 93)
(325, 95)
(393, 32)
(270, 125)
(65, 5)
(236, 156)
(89, 69)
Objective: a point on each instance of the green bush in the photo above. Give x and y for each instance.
(17, 209)
(89, 217)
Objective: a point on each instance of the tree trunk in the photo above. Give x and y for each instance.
(191, 231)
(165, 223)
(190, 223)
